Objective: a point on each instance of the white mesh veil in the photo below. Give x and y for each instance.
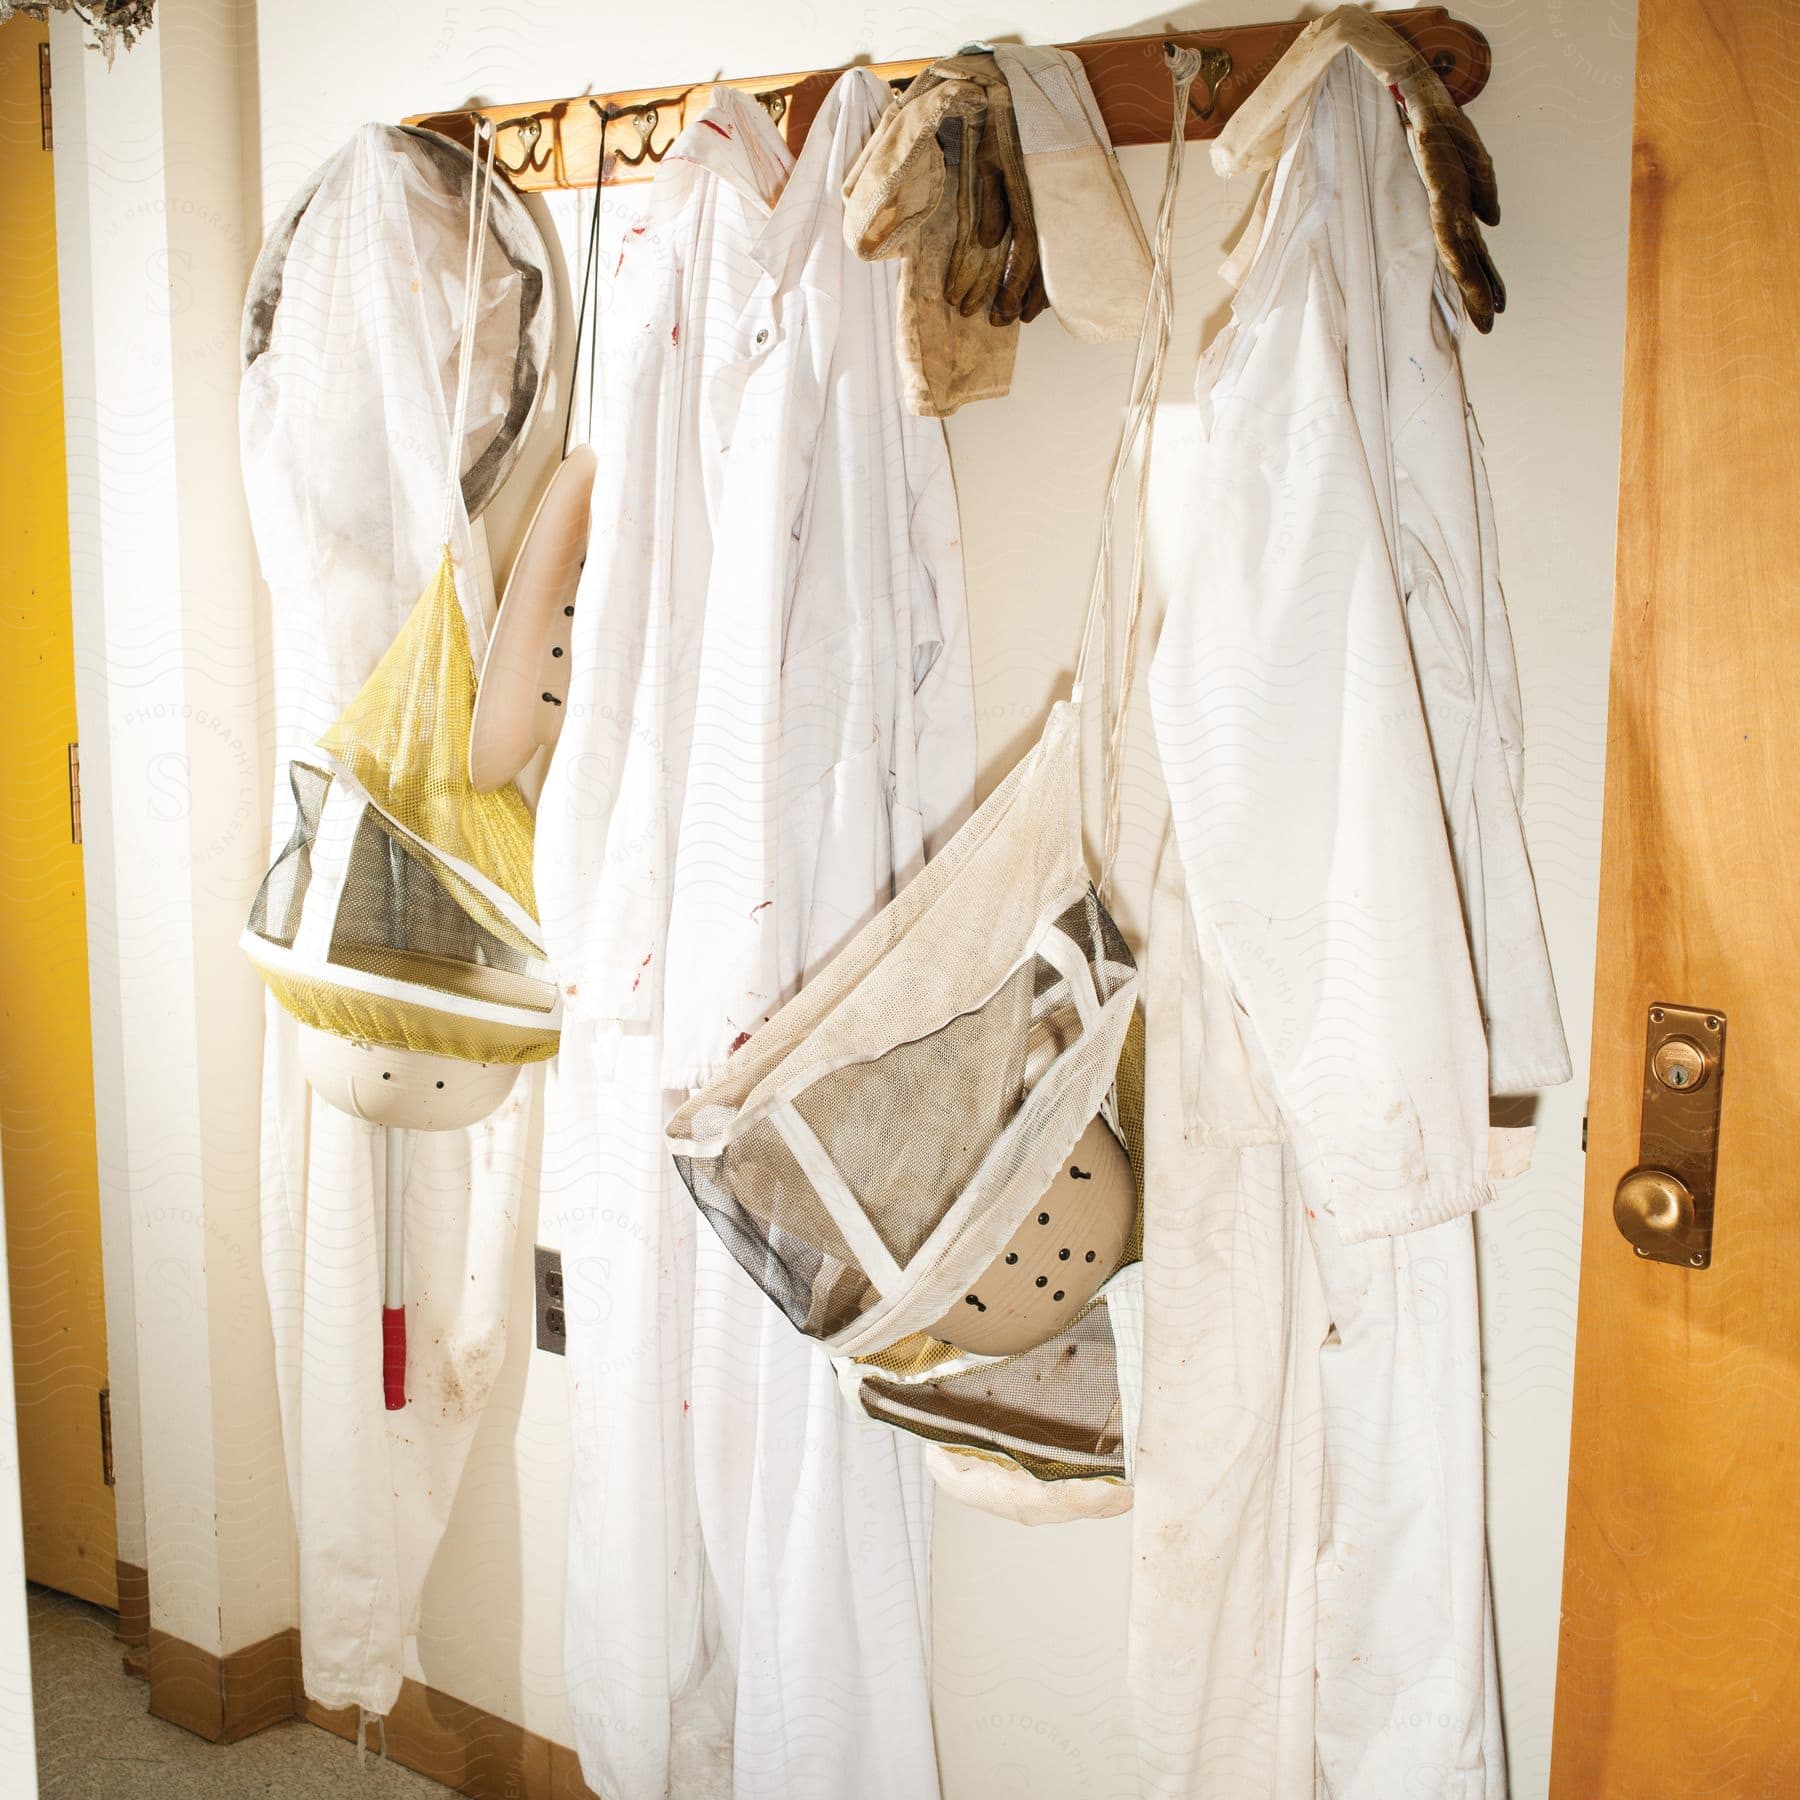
(350, 339)
(875, 1152)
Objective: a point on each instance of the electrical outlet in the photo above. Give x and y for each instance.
(552, 1323)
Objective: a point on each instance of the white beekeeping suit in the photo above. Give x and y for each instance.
(345, 433)
(1349, 961)
(769, 719)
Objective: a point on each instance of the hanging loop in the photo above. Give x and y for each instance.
(1215, 68)
(590, 276)
(1185, 66)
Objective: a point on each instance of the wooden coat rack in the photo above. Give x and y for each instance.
(546, 144)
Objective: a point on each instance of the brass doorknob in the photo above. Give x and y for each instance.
(1653, 1211)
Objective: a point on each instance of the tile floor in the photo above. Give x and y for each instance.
(96, 1741)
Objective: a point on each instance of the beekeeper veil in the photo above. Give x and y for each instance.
(352, 333)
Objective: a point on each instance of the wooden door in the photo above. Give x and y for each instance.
(1679, 1669)
(46, 1061)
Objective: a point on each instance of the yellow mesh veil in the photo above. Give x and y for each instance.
(401, 912)
(405, 738)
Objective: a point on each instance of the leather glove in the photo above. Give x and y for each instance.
(1022, 262)
(1459, 178)
(1037, 297)
(1451, 159)
(996, 254)
(978, 256)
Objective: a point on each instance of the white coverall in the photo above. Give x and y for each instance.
(770, 718)
(1347, 961)
(345, 480)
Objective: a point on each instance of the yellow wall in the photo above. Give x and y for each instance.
(46, 1075)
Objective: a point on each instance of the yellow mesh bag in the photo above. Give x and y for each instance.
(405, 738)
(401, 911)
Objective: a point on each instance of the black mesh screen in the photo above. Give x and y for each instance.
(276, 912)
(393, 900)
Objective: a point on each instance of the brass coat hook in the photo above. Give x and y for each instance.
(645, 116)
(1215, 67)
(535, 150)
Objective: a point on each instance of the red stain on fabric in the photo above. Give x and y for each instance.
(760, 906)
(738, 1042)
(675, 334)
(724, 131)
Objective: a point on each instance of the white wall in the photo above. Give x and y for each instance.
(1030, 1625)
(152, 258)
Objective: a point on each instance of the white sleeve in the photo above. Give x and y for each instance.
(1300, 774)
(943, 697)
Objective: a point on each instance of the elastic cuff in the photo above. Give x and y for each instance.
(1364, 1209)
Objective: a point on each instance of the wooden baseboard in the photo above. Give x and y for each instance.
(464, 1747)
(134, 1606)
(224, 1698)
(469, 1750)
(261, 1684)
(187, 1686)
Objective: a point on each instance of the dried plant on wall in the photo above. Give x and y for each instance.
(110, 23)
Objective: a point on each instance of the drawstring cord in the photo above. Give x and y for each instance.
(363, 1716)
(589, 273)
(1134, 442)
(465, 362)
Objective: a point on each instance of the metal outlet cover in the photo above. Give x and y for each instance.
(552, 1322)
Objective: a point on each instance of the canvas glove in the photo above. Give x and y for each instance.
(901, 198)
(1452, 161)
(994, 265)
(1459, 178)
(978, 250)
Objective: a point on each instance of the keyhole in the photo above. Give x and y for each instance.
(1679, 1064)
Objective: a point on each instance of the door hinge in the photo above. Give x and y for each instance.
(44, 93)
(106, 1454)
(74, 793)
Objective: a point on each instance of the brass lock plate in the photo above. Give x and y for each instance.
(1678, 1131)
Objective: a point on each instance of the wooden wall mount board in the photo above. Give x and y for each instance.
(555, 143)
(1678, 1667)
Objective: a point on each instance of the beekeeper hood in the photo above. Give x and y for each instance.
(398, 922)
(351, 334)
(907, 1156)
